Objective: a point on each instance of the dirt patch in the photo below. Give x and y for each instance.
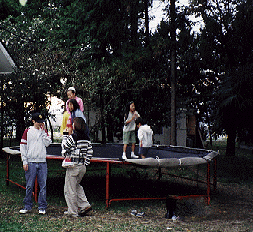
(231, 209)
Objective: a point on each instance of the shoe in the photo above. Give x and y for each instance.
(134, 212)
(83, 212)
(124, 156)
(42, 211)
(66, 213)
(175, 218)
(74, 215)
(133, 156)
(24, 211)
(140, 214)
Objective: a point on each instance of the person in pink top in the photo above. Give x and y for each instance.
(71, 93)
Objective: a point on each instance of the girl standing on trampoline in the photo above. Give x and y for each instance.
(75, 111)
(129, 130)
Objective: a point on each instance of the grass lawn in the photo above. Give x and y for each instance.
(230, 208)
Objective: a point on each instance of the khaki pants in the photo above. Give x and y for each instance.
(73, 191)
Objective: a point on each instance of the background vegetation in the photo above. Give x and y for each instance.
(106, 50)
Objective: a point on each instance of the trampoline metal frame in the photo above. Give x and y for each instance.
(108, 163)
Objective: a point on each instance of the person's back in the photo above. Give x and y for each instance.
(79, 149)
(145, 134)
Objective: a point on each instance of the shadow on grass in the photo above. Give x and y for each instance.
(123, 187)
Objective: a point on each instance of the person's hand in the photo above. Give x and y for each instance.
(42, 126)
(25, 167)
(136, 115)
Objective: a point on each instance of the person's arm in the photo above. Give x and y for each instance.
(140, 137)
(80, 103)
(69, 142)
(130, 120)
(67, 107)
(45, 136)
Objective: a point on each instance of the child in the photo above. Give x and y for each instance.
(71, 93)
(129, 130)
(145, 136)
(65, 118)
(74, 112)
(79, 150)
(33, 154)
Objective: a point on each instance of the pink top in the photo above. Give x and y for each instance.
(79, 101)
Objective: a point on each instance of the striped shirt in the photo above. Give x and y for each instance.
(79, 151)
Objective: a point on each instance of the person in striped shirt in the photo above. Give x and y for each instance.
(78, 148)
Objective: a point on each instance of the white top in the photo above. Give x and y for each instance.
(145, 135)
(33, 145)
(130, 126)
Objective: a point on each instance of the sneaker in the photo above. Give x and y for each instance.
(134, 212)
(24, 211)
(140, 214)
(124, 156)
(175, 218)
(133, 156)
(66, 213)
(75, 215)
(84, 211)
(42, 211)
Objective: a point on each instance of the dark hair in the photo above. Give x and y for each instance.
(75, 104)
(139, 120)
(127, 109)
(81, 128)
(130, 103)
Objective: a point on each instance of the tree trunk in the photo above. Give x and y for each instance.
(134, 22)
(230, 150)
(146, 23)
(20, 126)
(173, 74)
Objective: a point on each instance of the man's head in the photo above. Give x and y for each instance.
(37, 119)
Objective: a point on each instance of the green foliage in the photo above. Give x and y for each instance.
(94, 46)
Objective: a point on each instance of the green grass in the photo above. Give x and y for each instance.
(125, 181)
(238, 169)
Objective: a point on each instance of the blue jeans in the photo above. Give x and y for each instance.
(39, 170)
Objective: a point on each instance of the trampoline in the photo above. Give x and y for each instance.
(159, 157)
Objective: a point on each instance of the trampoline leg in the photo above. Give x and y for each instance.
(208, 183)
(107, 197)
(215, 175)
(7, 169)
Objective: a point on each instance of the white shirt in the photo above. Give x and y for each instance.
(130, 126)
